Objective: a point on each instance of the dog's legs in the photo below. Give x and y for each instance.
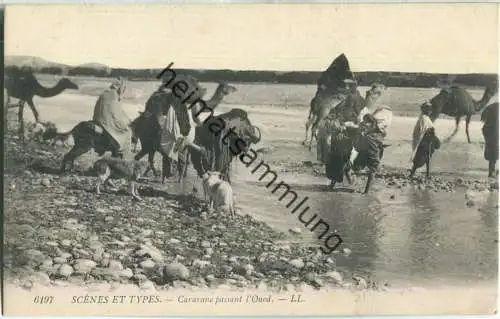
(211, 205)
(110, 183)
(133, 191)
(102, 179)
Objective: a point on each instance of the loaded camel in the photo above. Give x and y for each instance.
(455, 101)
(23, 85)
(219, 146)
(330, 92)
(147, 129)
(108, 130)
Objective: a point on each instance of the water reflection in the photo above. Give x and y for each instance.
(423, 236)
(356, 218)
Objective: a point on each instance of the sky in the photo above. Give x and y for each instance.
(436, 38)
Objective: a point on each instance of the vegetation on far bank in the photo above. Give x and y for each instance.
(394, 79)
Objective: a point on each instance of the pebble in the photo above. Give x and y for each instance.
(127, 273)
(175, 271)
(45, 182)
(210, 278)
(60, 260)
(147, 264)
(84, 266)
(147, 285)
(115, 265)
(297, 263)
(154, 253)
(66, 243)
(65, 270)
(335, 276)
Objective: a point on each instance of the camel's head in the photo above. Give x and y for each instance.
(68, 84)
(226, 89)
(375, 92)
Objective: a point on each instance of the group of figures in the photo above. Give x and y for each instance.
(350, 130)
(170, 124)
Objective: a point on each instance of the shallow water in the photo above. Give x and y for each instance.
(417, 238)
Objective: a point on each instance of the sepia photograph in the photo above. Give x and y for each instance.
(250, 159)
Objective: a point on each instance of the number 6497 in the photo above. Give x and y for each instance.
(43, 299)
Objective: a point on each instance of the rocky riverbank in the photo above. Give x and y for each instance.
(397, 178)
(58, 231)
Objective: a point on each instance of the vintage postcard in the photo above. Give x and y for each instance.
(250, 159)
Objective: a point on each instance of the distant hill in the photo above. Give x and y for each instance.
(401, 79)
(30, 61)
(94, 65)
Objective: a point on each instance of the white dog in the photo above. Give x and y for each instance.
(219, 191)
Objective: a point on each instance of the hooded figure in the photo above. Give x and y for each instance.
(109, 113)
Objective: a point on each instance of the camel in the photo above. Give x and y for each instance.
(330, 92)
(150, 134)
(24, 86)
(457, 102)
(219, 146)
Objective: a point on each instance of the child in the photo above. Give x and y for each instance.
(425, 141)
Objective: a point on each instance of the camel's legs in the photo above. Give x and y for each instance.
(457, 126)
(428, 168)
(369, 182)
(75, 152)
(467, 122)
(140, 155)
(412, 172)
(308, 125)
(151, 161)
(34, 110)
(20, 119)
(313, 131)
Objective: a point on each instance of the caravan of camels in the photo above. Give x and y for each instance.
(350, 129)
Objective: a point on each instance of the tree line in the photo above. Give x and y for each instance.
(395, 79)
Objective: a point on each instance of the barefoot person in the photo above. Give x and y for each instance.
(338, 156)
(368, 149)
(425, 141)
(109, 113)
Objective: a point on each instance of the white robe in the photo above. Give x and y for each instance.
(171, 135)
(423, 124)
